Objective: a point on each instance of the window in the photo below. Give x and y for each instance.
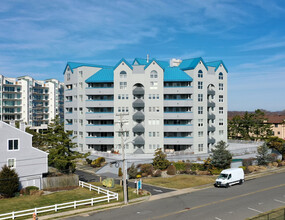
(127, 109)
(119, 96)
(200, 85)
(81, 73)
(153, 74)
(153, 134)
(200, 110)
(276, 125)
(221, 132)
(13, 144)
(127, 96)
(221, 98)
(221, 121)
(149, 96)
(157, 134)
(12, 162)
(68, 76)
(119, 109)
(157, 96)
(149, 109)
(153, 85)
(221, 76)
(149, 134)
(157, 109)
(200, 147)
(123, 74)
(200, 74)
(200, 133)
(200, 122)
(200, 97)
(221, 86)
(123, 96)
(221, 110)
(123, 85)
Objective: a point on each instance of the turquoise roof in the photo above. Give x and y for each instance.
(175, 74)
(74, 65)
(190, 63)
(103, 75)
(140, 61)
(126, 62)
(216, 64)
(162, 64)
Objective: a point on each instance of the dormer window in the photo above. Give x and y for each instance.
(153, 74)
(200, 74)
(123, 74)
(221, 76)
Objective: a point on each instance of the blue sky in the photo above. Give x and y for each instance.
(38, 37)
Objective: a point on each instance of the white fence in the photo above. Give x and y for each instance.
(109, 195)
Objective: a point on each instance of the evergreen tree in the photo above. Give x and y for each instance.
(277, 144)
(221, 157)
(159, 160)
(60, 148)
(9, 181)
(263, 156)
(132, 171)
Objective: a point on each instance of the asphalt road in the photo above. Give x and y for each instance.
(233, 203)
(88, 177)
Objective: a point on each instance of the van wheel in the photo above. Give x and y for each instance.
(227, 185)
(240, 182)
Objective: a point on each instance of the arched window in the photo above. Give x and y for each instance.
(221, 76)
(200, 74)
(153, 74)
(123, 74)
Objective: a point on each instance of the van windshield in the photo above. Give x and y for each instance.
(223, 176)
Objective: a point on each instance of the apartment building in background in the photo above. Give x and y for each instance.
(179, 105)
(277, 125)
(35, 102)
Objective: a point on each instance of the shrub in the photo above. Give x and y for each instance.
(263, 156)
(147, 169)
(159, 160)
(120, 173)
(157, 173)
(251, 169)
(180, 166)
(215, 171)
(9, 181)
(197, 166)
(243, 167)
(89, 161)
(98, 162)
(144, 174)
(275, 164)
(247, 162)
(171, 170)
(283, 163)
(132, 171)
(221, 157)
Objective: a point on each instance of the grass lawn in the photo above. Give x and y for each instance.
(180, 181)
(29, 202)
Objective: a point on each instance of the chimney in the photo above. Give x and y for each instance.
(22, 126)
(12, 123)
(175, 62)
(147, 58)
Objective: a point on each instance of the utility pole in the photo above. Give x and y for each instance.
(121, 132)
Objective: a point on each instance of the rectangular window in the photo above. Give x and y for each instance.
(13, 144)
(221, 98)
(149, 96)
(123, 96)
(221, 121)
(149, 146)
(200, 110)
(149, 109)
(200, 133)
(200, 97)
(200, 147)
(81, 73)
(153, 134)
(153, 85)
(157, 134)
(119, 109)
(127, 109)
(149, 134)
(157, 96)
(123, 85)
(221, 86)
(127, 96)
(119, 96)
(12, 162)
(221, 132)
(221, 110)
(200, 85)
(157, 109)
(200, 122)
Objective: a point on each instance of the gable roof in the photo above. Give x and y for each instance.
(140, 61)
(160, 63)
(189, 64)
(74, 65)
(103, 75)
(176, 74)
(217, 64)
(126, 62)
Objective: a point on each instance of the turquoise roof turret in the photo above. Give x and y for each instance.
(216, 64)
(190, 64)
(126, 62)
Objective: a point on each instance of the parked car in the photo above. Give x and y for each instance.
(230, 177)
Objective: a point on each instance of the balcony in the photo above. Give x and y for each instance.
(178, 140)
(139, 128)
(138, 103)
(98, 103)
(177, 102)
(211, 128)
(138, 91)
(99, 128)
(138, 116)
(178, 115)
(139, 140)
(211, 116)
(178, 128)
(211, 92)
(211, 104)
(178, 90)
(99, 91)
(99, 115)
(99, 140)
(211, 140)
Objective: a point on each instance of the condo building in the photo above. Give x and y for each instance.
(34, 102)
(179, 105)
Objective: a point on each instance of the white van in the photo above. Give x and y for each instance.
(230, 177)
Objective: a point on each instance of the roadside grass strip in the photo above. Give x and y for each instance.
(26, 202)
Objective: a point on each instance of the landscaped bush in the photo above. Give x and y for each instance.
(215, 171)
(89, 161)
(98, 162)
(9, 181)
(120, 173)
(171, 170)
(283, 163)
(157, 173)
(133, 172)
(247, 162)
(251, 168)
(180, 166)
(197, 166)
(243, 167)
(275, 164)
(147, 169)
